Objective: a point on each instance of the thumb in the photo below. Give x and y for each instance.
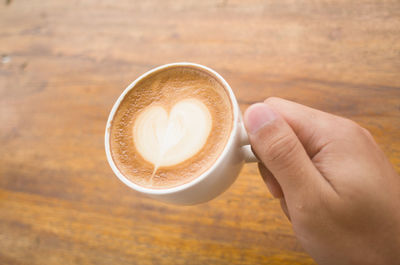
(279, 149)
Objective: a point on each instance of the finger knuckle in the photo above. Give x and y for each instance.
(282, 148)
(350, 128)
(366, 132)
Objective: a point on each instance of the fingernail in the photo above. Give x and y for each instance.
(257, 116)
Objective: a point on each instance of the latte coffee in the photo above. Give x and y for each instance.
(171, 127)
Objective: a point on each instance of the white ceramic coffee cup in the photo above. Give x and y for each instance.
(218, 177)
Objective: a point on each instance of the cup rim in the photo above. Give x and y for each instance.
(193, 182)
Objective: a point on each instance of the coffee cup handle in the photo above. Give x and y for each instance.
(248, 154)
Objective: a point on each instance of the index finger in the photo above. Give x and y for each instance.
(314, 128)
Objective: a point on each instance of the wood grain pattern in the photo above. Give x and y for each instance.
(63, 63)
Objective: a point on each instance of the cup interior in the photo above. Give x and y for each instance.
(236, 113)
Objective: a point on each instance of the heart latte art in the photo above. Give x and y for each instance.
(166, 139)
(171, 127)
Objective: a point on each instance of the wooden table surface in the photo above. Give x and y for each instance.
(64, 63)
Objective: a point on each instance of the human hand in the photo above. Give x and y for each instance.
(335, 184)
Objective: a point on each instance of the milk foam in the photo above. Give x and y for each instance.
(166, 139)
